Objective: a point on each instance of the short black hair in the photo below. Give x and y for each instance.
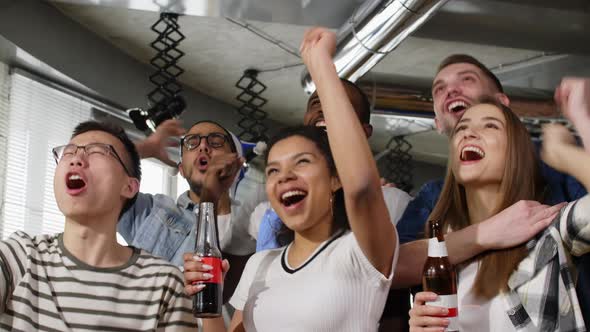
(319, 137)
(120, 134)
(365, 106)
(465, 58)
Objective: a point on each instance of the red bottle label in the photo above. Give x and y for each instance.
(449, 302)
(216, 271)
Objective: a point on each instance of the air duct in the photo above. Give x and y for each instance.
(375, 29)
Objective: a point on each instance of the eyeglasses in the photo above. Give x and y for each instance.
(214, 140)
(70, 150)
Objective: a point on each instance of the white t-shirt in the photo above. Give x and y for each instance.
(235, 230)
(336, 289)
(395, 199)
(476, 314)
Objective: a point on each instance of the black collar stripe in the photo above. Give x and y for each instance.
(309, 260)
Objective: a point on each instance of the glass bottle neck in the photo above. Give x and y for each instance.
(207, 242)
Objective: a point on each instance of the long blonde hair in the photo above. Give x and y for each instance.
(521, 180)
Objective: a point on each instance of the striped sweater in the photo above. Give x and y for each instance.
(43, 287)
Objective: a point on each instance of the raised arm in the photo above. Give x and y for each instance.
(561, 153)
(154, 146)
(366, 209)
(573, 98)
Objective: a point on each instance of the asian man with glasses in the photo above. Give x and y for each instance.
(82, 278)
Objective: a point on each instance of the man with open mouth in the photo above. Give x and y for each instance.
(460, 82)
(82, 278)
(165, 227)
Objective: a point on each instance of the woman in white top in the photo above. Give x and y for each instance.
(530, 287)
(335, 272)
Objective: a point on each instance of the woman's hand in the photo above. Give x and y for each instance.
(425, 318)
(195, 270)
(317, 48)
(557, 140)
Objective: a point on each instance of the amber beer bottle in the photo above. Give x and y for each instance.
(208, 302)
(439, 276)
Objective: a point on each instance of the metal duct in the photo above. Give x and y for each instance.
(375, 29)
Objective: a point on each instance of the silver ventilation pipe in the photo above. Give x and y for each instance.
(375, 29)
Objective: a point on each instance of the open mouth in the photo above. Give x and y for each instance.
(75, 182)
(292, 197)
(457, 106)
(202, 163)
(320, 123)
(472, 153)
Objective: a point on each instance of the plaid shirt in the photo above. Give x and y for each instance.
(542, 294)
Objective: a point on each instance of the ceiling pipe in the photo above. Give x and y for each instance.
(376, 28)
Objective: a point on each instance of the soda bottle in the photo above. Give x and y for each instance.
(439, 276)
(208, 302)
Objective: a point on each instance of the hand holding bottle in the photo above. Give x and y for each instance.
(425, 317)
(195, 270)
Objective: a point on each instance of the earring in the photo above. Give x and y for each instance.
(332, 205)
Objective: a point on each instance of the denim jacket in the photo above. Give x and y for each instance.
(167, 229)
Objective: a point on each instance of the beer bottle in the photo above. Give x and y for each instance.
(207, 303)
(438, 275)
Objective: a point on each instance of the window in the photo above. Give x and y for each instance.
(39, 118)
(34, 118)
(152, 177)
(181, 185)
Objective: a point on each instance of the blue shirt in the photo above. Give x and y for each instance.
(269, 226)
(166, 228)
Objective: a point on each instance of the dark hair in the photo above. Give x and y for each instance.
(464, 58)
(365, 106)
(319, 137)
(232, 145)
(118, 133)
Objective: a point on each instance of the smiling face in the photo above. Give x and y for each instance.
(196, 160)
(456, 87)
(479, 146)
(299, 183)
(92, 185)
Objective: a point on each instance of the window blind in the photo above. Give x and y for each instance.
(4, 92)
(34, 118)
(39, 118)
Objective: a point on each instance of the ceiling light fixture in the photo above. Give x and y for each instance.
(165, 101)
(251, 124)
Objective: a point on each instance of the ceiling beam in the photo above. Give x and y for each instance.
(419, 102)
